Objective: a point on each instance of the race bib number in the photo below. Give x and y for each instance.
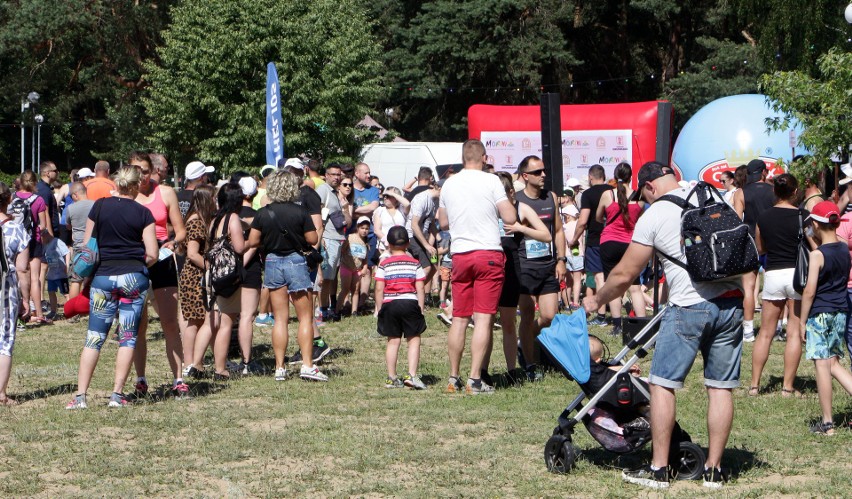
(502, 227)
(536, 249)
(358, 251)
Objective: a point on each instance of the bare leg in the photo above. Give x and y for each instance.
(638, 300)
(167, 300)
(5, 371)
(347, 283)
(599, 282)
(189, 334)
(123, 361)
(720, 415)
(280, 302)
(73, 289)
(663, 409)
(824, 388)
(304, 313)
(455, 343)
(362, 291)
(248, 304)
(391, 356)
(842, 376)
(204, 338)
(768, 321)
(413, 355)
(36, 287)
(793, 347)
(749, 283)
(222, 343)
(483, 325)
(576, 285)
(88, 361)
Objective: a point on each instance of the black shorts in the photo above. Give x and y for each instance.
(372, 252)
(538, 279)
(611, 253)
(420, 254)
(36, 250)
(163, 274)
(511, 284)
(592, 260)
(252, 275)
(400, 318)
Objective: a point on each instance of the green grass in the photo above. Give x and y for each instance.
(352, 437)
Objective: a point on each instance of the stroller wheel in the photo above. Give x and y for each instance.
(559, 454)
(688, 462)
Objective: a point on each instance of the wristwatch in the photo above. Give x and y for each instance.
(562, 259)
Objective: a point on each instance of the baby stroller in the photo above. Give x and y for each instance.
(615, 412)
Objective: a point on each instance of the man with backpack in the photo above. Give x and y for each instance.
(700, 315)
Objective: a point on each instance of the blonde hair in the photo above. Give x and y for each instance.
(283, 187)
(127, 179)
(28, 181)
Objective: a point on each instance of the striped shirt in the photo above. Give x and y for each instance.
(399, 273)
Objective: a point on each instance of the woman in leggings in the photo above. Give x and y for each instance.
(127, 245)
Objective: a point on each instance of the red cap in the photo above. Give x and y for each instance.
(823, 211)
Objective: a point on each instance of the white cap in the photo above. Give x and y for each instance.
(249, 186)
(572, 183)
(266, 170)
(295, 163)
(571, 210)
(196, 169)
(85, 173)
(362, 220)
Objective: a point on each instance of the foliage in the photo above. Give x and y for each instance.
(207, 94)
(821, 104)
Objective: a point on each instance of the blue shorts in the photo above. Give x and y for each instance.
(54, 285)
(825, 335)
(371, 251)
(593, 260)
(715, 328)
(289, 271)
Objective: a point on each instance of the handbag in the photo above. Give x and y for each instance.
(312, 256)
(87, 258)
(338, 219)
(803, 255)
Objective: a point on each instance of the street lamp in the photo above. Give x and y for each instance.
(39, 119)
(27, 103)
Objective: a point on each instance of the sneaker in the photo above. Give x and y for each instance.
(269, 320)
(321, 349)
(296, 358)
(534, 374)
(141, 389)
(393, 383)
(478, 387)
(599, 321)
(454, 385)
(413, 381)
(714, 478)
(645, 476)
(188, 370)
(616, 331)
(780, 335)
(821, 428)
(445, 319)
(118, 400)
(312, 374)
(79, 402)
(484, 376)
(748, 336)
(180, 390)
(280, 374)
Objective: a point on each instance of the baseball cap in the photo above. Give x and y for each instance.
(362, 220)
(196, 169)
(649, 172)
(294, 162)
(572, 183)
(265, 170)
(85, 173)
(755, 169)
(571, 210)
(248, 185)
(397, 236)
(823, 211)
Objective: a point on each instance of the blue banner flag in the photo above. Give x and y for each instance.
(274, 130)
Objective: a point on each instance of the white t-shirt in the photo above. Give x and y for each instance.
(659, 227)
(388, 221)
(470, 199)
(423, 206)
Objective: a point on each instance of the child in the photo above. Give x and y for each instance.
(58, 258)
(400, 292)
(353, 265)
(570, 215)
(824, 309)
(446, 269)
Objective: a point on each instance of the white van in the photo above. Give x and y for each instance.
(397, 163)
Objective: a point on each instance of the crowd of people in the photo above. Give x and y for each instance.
(333, 242)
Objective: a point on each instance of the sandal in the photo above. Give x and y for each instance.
(753, 391)
(40, 321)
(8, 402)
(822, 428)
(791, 393)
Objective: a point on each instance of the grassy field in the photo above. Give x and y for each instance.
(352, 437)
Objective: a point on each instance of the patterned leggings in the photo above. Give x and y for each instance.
(125, 293)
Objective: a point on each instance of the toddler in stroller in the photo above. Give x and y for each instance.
(618, 400)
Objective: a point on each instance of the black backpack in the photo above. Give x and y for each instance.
(21, 211)
(224, 265)
(716, 241)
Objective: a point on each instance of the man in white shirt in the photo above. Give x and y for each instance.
(700, 316)
(470, 206)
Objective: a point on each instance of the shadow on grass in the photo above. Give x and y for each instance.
(44, 393)
(806, 386)
(339, 353)
(738, 461)
(164, 392)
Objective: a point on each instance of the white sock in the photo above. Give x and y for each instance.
(262, 316)
(748, 327)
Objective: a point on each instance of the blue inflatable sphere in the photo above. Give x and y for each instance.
(730, 132)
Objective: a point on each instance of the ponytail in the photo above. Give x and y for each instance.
(623, 173)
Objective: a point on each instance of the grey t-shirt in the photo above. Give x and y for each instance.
(78, 213)
(328, 198)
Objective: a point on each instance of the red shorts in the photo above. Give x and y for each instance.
(477, 281)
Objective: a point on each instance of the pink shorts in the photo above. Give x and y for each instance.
(477, 281)
(346, 272)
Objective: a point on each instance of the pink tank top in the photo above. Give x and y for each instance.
(615, 229)
(158, 208)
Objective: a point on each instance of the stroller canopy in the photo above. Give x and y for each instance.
(567, 340)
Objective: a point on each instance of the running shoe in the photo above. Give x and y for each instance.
(117, 400)
(191, 371)
(180, 390)
(647, 477)
(822, 428)
(280, 374)
(534, 374)
(393, 382)
(599, 321)
(748, 336)
(714, 478)
(483, 374)
(616, 331)
(413, 381)
(454, 385)
(321, 349)
(312, 374)
(445, 319)
(141, 388)
(296, 358)
(269, 320)
(78, 402)
(478, 387)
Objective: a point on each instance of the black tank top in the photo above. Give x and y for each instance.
(184, 200)
(758, 198)
(544, 207)
(831, 284)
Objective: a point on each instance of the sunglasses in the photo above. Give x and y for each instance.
(535, 172)
(342, 184)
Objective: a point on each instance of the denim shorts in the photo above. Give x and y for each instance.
(290, 271)
(715, 328)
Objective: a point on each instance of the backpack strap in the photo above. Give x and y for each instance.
(683, 204)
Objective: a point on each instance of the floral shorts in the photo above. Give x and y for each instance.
(825, 335)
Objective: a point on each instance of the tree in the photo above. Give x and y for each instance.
(822, 105)
(207, 94)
